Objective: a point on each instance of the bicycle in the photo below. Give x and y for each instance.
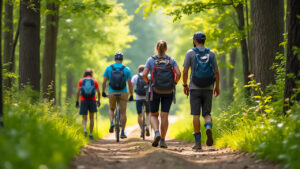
(117, 117)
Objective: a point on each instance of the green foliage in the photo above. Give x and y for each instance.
(38, 135)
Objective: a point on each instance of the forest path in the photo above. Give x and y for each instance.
(134, 153)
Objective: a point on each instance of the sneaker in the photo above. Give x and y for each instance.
(163, 144)
(209, 140)
(91, 137)
(111, 129)
(197, 146)
(123, 136)
(156, 140)
(147, 132)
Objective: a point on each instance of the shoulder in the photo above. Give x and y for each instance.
(190, 53)
(127, 69)
(134, 76)
(212, 53)
(95, 81)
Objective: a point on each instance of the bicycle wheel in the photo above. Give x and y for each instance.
(117, 124)
(143, 125)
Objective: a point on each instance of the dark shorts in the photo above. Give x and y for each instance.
(165, 100)
(201, 99)
(140, 104)
(87, 105)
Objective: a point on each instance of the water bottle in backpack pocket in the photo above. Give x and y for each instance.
(203, 71)
(163, 76)
(140, 86)
(88, 88)
(117, 80)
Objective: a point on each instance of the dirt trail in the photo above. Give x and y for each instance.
(133, 153)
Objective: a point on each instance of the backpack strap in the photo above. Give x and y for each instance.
(113, 68)
(122, 68)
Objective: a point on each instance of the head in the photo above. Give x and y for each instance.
(161, 48)
(88, 72)
(199, 39)
(141, 68)
(119, 57)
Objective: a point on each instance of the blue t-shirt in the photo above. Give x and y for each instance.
(127, 73)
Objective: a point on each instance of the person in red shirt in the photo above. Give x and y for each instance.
(87, 88)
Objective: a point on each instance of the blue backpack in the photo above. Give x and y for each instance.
(88, 88)
(203, 70)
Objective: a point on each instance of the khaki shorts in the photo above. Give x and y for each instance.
(113, 101)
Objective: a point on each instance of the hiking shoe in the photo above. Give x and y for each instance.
(91, 137)
(163, 144)
(156, 140)
(209, 140)
(111, 129)
(123, 136)
(197, 146)
(147, 132)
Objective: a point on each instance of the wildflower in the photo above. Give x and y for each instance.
(258, 84)
(287, 99)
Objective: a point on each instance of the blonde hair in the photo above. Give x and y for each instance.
(161, 47)
(141, 68)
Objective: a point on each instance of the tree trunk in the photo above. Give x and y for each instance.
(8, 41)
(1, 99)
(231, 72)
(50, 51)
(293, 61)
(240, 13)
(223, 67)
(29, 63)
(59, 88)
(268, 27)
(70, 84)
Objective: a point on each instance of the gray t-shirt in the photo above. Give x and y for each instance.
(150, 65)
(189, 62)
(151, 62)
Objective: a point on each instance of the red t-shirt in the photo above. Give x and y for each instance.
(96, 87)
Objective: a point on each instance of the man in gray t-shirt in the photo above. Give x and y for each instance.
(201, 97)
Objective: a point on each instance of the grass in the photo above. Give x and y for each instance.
(37, 135)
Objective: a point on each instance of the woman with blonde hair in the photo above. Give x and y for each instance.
(164, 74)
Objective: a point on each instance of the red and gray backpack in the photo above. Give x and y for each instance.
(163, 74)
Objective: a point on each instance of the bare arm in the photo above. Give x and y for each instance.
(185, 75)
(130, 86)
(78, 94)
(178, 74)
(98, 93)
(217, 87)
(104, 84)
(145, 75)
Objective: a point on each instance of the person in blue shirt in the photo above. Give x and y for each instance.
(117, 74)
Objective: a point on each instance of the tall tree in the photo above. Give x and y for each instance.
(8, 40)
(241, 27)
(1, 99)
(231, 72)
(50, 49)
(70, 84)
(268, 27)
(293, 52)
(29, 62)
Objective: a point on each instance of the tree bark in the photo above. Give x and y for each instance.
(1, 99)
(231, 72)
(268, 27)
(29, 62)
(293, 62)
(50, 50)
(70, 84)
(8, 41)
(59, 88)
(240, 13)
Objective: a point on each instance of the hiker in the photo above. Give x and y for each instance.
(87, 87)
(204, 74)
(141, 98)
(165, 75)
(117, 74)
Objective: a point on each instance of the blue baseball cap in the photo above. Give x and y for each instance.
(119, 56)
(199, 35)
